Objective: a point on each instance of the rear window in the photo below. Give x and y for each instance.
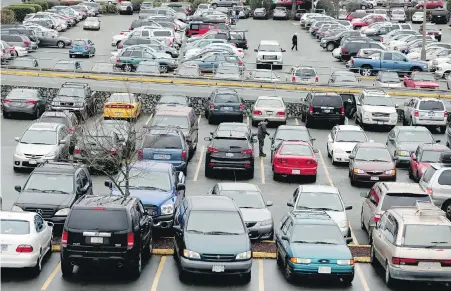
(229, 142)
(227, 98)
(332, 101)
(80, 42)
(445, 178)
(431, 105)
(162, 33)
(99, 220)
(295, 150)
(402, 199)
(424, 235)
(269, 103)
(306, 72)
(163, 141)
(13, 226)
(427, 176)
(358, 15)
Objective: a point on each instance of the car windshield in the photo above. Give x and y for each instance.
(390, 77)
(52, 183)
(99, 220)
(245, 199)
(423, 77)
(427, 235)
(169, 120)
(295, 150)
(21, 94)
(161, 139)
(319, 201)
(142, 179)
(212, 222)
(378, 101)
(398, 12)
(345, 78)
(351, 136)
(15, 226)
(71, 92)
(414, 136)
(227, 98)
(293, 134)
(358, 14)
(44, 137)
(372, 154)
(403, 199)
(431, 156)
(271, 103)
(126, 98)
(168, 99)
(317, 234)
(269, 48)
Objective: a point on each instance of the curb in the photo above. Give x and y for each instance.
(220, 84)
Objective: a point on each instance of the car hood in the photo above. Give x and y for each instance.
(153, 197)
(374, 166)
(36, 149)
(408, 146)
(346, 146)
(314, 251)
(67, 99)
(260, 53)
(337, 216)
(49, 199)
(208, 244)
(254, 215)
(383, 109)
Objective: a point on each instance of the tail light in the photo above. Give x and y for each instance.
(316, 79)
(70, 47)
(247, 152)
(311, 162)
(131, 28)
(86, 47)
(24, 249)
(240, 50)
(6, 101)
(98, 208)
(281, 113)
(77, 150)
(429, 191)
(31, 102)
(403, 261)
(310, 109)
(293, 79)
(118, 60)
(212, 150)
(446, 115)
(343, 51)
(234, 44)
(245, 43)
(352, 61)
(122, 33)
(212, 106)
(140, 154)
(240, 63)
(416, 113)
(130, 240)
(121, 46)
(120, 106)
(342, 110)
(257, 112)
(376, 218)
(282, 161)
(27, 43)
(4, 51)
(64, 238)
(71, 129)
(184, 155)
(113, 152)
(241, 107)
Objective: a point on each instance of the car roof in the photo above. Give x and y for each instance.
(318, 188)
(270, 98)
(372, 145)
(349, 127)
(412, 128)
(233, 134)
(17, 215)
(284, 142)
(66, 114)
(435, 147)
(174, 111)
(412, 215)
(269, 42)
(24, 90)
(238, 186)
(57, 168)
(51, 126)
(398, 187)
(292, 127)
(212, 203)
(311, 217)
(151, 166)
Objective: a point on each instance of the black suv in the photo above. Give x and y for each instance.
(440, 16)
(322, 107)
(52, 188)
(352, 47)
(230, 150)
(224, 104)
(205, 244)
(107, 230)
(75, 97)
(330, 43)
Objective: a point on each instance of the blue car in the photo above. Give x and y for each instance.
(82, 47)
(165, 144)
(159, 186)
(309, 243)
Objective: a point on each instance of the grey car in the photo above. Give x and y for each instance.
(91, 23)
(254, 209)
(224, 3)
(23, 101)
(19, 40)
(386, 79)
(343, 78)
(154, 44)
(280, 13)
(51, 39)
(228, 71)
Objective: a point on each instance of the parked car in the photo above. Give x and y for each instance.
(260, 13)
(425, 155)
(224, 104)
(82, 47)
(47, 39)
(314, 108)
(290, 133)
(126, 7)
(387, 79)
(271, 108)
(429, 112)
(280, 13)
(91, 23)
(424, 80)
(23, 101)
(342, 140)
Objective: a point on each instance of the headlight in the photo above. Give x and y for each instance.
(191, 254)
(62, 212)
(343, 224)
(345, 262)
(358, 171)
(167, 208)
(266, 222)
(18, 152)
(244, 256)
(300, 261)
(403, 153)
(16, 208)
(390, 172)
(367, 114)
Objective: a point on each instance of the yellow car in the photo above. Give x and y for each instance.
(122, 106)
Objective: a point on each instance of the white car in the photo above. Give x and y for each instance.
(20, 51)
(120, 37)
(269, 107)
(398, 15)
(417, 17)
(342, 140)
(236, 51)
(433, 64)
(443, 69)
(269, 52)
(375, 107)
(336, 53)
(26, 240)
(416, 55)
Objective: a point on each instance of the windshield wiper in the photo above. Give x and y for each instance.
(435, 243)
(171, 147)
(221, 232)
(377, 160)
(33, 189)
(247, 207)
(54, 191)
(321, 243)
(148, 188)
(326, 209)
(196, 231)
(41, 143)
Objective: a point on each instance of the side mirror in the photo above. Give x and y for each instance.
(81, 190)
(207, 138)
(349, 240)
(437, 141)
(177, 228)
(313, 139)
(18, 188)
(269, 203)
(285, 237)
(396, 106)
(17, 138)
(255, 50)
(62, 141)
(284, 51)
(108, 184)
(348, 207)
(290, 204)
(211, 133)
(364, 194)
(315, 151)
(351, 157)
(181, 187)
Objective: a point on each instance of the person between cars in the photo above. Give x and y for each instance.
(261, 134)
(295, 41)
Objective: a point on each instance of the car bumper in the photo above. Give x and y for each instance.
(270, 118)
(231, 165)
(24, 162)
(70, 109)
(390, 122)
(430, 122)
(402, 160)
(105, 257)
(331, 118)
(270, 62)
(225, 115)
(14, 109)
(340, 157)
(258, 231)
(202, 267)
(420, 275)
(163, 221)
(78, 52)
(373, 178)
(22, 260)
(91, 27)
(292, 171)
(125, 114)
(312, 270)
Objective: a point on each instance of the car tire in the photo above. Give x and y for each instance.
(36, 270)
(175, 255)
(127, 68)
(328, 153)
(389, 280)
(163, 69)
(183, 275)
(442, 129)
(6, 115)
(208, 172)
(275, 176)
(60, 44)
(307, 123)
(136, 267)
(210, 120)
(347, 280)
(330, 47)
(71, 56)
(362, 223)
(411, 173)
(148, 249)
(373, 259)
(287, 273)
(278, 259)
(352, 181)
(67, 269)
(246, 277)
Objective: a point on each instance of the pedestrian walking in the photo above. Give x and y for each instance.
(261, 135)
(295, 41)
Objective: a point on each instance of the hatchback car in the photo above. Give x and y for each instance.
(23, 101)
(82, 47)
(342, 140)
(425, 155)
(271, 108)
(224, 104)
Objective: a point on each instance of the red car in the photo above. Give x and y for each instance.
(367, 20)
(355, 15)
(423, 80)
(423, 156)
(431, 4)
(295, 158)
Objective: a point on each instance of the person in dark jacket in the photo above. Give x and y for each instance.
(261, 135)
(295, 41)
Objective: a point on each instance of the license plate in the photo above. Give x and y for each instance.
(306, 80)
(296, 172)
(4, 248)
(227, 108)
(269, 112)
(326, 111)
(324, 270)
(33, 162)
(16, 103)
(374, 178)
(229, 155)
(97, 240)
(218, 269)
(429, 265)
(161, 157)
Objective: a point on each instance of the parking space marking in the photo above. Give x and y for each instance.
(297, 121)
(150, 118)
(261, 278)
(201, 157)
(51, 277)
(362, 277)
(262, 168)
(198, 120)
(247, 119)
(157, 277)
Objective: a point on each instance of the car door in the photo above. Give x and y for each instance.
(136, 57)
(85, 182)
(144, 223)
(377, 238)
(85, 172)
(388, 238)
(331, 140)
(281, 244)
(400, 62)
(414, 163)
(387, 61)
(207, 64)
(42, 235)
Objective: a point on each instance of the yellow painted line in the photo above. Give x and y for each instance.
(163, 252)
(156, 279)
(263, 255)
(261, 278)
(297, 121)
(196, 175)
(51, 277)
(262, 169)
(362, 259)
(150, 118)
(56, 248)
(360, 246)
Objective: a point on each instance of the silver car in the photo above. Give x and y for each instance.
(323, 198)
(254, 209)
(386, 79)
(39, 143)
(228, 71)
(280, 13)
(271, 108)
(436, 182)
(91, 23)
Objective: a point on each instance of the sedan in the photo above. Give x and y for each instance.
(295, 158)
(91, 23)
(48, 39)
(386, 79)
(290, 133)
(224, 104)
(425, 155)
(271, 108)
(210, 62)
(260, 13)
(123, 106)
(23, 101)
(173, 100)
(343, 78)
(421, 80)
(342, 140)
(253, 207)
(26, 240)
(280, 13)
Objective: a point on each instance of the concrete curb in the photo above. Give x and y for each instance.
(220, 84)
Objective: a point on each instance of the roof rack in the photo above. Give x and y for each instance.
(74, 84)
(310, 214)
(427, 208)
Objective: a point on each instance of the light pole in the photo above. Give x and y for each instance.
(423, 45)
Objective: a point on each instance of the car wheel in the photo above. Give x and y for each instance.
(275, 176)
(313, 179)
(443, 129)
(366, 71)
(210, 119)
(353, 182)
(388, 278)
(174, 254)
(37, 113)
(36, 270)
(287, 273)
(208, 172)
(71, 56)
(330, 47)
(246, 277)
(411, 173)
(148, 249)
(16, 54)
(307, 123)
(67, 269)
(136, 267)
(6, 115)
(373, 259)
(60, 44)
(279, 259)
(163, 69)
(127, 68)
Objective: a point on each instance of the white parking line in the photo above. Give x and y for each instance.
(196, 175)
(198, 120)
(261, 274)
(150, 118)
(247, 119)
(297, 121)
(262, 169)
